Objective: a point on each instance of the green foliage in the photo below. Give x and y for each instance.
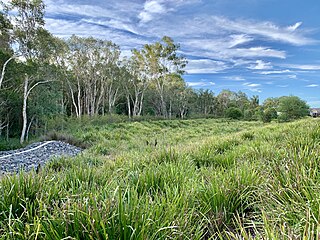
(268, 114)
(292, 107)
(233, 113)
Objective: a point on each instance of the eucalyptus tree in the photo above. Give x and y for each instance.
(5, 48)
(95, 65)
(162, 63)
(28, 24)
(179, 97)
(136, 82)
(205, 101)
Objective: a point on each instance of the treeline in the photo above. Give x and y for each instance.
(43, 76)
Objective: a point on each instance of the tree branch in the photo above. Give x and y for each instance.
(36, 84)
(4, 69)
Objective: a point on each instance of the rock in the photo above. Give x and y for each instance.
(19, 159)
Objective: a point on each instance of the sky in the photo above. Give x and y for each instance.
(269, 48)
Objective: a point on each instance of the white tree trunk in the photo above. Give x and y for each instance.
(24, 110)
(26, 93)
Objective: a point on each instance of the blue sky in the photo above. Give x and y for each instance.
(268, 48)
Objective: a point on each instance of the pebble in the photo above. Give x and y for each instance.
(30, 160)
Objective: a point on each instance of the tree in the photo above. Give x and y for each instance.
(136, 82)
(234, 113)
(29, 22)
(205, 101)
(271, 103)
(292, 107)
(268, 114)
(5, 40)
(254, 100)
(163, 64)
(94, 64)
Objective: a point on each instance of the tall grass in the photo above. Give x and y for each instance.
(204, 179)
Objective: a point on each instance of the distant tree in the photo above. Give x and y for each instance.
(205, 101)
(254, 100)
(268, 114)
(292, 107)
(234, 113)
(270, 103)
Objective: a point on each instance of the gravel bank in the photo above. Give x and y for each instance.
(29, 157)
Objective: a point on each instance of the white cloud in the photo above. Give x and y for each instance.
(293, 76)
(220, 49)
(235, 78)
(294, 26)
(154, 8)
(252, 85)
(205, 66)
(65, 28)
(260, 65)
(239, 39)
(274, 72)
(265, 29)
(312, 85)
(151, 8)
(303, 66)
(200, 84)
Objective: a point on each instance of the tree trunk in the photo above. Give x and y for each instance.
(24, 110)
(129, 107)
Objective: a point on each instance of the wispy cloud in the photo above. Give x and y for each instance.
(223, 48)
(253, 87)
(62, 28)
(200, 84)
(312, 85)
(274, 72)
(303, 66)
(235, 78)
(267, 30)
(205, 66)
(252, 84)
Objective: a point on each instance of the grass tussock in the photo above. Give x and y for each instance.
(204, 179)
(57, 136)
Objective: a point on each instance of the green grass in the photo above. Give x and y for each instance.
(204, 179)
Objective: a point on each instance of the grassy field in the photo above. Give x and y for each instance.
(191, 179)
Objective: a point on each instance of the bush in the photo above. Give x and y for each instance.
(292, 107)
(234, 113)
(268, 114)
(283, 117)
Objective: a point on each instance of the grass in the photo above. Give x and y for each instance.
(204, 179)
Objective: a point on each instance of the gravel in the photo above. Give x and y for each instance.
(16, 160)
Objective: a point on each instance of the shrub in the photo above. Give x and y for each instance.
(268, 114)
(292, 107)
(234, 113)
